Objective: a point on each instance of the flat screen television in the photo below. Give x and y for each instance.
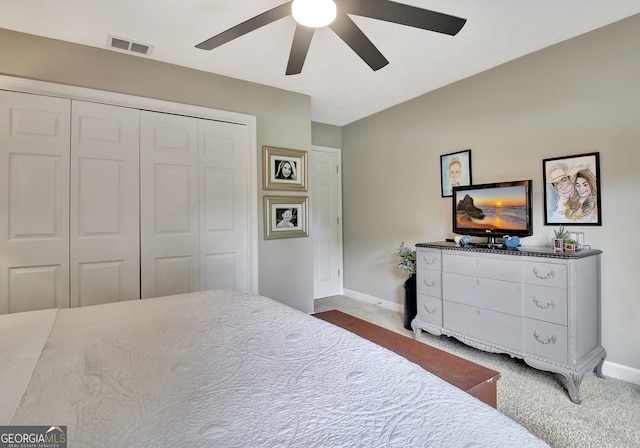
(493, 210)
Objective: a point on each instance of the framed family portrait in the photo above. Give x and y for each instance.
(572, 190)
(284, 169)
(285, 217)
(455, 170)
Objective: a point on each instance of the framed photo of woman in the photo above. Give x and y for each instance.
(284, 169)
(285, 217)
(455, 170)
(572, 190)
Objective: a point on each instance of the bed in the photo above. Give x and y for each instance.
(226, 368)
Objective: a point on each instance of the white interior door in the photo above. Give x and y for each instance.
(169, 204)
(326, 184)
(34, 202)
(105, 223)
(224, 205)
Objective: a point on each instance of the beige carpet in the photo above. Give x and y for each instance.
(609, 415)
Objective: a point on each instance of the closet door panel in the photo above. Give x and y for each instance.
(105, 261)
(220, 271)
(34, 202)
(36, 288)
(35, 212)
(101, 282)
(169, 204)
(224, 203)
(174, 274)
(172, 200)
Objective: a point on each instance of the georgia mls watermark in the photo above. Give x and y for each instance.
(33, 437)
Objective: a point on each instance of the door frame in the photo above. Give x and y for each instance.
(118, 99)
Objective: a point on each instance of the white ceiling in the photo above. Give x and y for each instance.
(342, 87)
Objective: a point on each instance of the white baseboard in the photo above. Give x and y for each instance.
(610, 369)
(620, 372)
(393, 306)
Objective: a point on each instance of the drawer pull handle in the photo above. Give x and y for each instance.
(430, 260)
(478, 312)
(429, 283)
(551, 340)
(433, 311)
(548, 275)
(551, 304)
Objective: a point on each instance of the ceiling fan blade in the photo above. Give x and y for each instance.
(404, 15)
(252, 24)
(353, 36)
(299, 49)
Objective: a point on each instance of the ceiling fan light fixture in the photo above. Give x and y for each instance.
(313, 13)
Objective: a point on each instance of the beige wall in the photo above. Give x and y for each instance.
(326, 135)
(580, 96)
(283, 120)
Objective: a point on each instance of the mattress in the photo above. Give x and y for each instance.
(226, 368)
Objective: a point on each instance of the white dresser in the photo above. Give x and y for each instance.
(530, 303)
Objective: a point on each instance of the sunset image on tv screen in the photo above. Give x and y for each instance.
(493, 208)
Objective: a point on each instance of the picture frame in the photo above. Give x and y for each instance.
(285, 217)
(572, 190)
(578, 237)
(284, 169)
(558, 245)
(455, 169)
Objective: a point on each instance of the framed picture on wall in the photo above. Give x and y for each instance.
(285, 217)
(284, 169)
(455, 170)
(572, 190)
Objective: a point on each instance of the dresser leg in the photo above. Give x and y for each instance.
(416, 330)
(598, 368)
(572, 384)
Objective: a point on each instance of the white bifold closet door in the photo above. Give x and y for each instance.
(223, 205)
(105, 223)
(102, 203)
(34, 202)
(194, 204)
(70, 234)
(168, 204)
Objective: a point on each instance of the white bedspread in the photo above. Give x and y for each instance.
(22, 337)
(232, 369)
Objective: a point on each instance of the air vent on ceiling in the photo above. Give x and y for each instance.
(127, 45)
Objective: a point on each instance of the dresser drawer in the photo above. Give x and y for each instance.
(497, 295)
(430, 309)
(429, 259)
(544, 303)
(429, 282)
(546, 340)
(478, 265)
(544, 274)
(504, 330)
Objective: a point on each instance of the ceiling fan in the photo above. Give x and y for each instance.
(343, 26)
